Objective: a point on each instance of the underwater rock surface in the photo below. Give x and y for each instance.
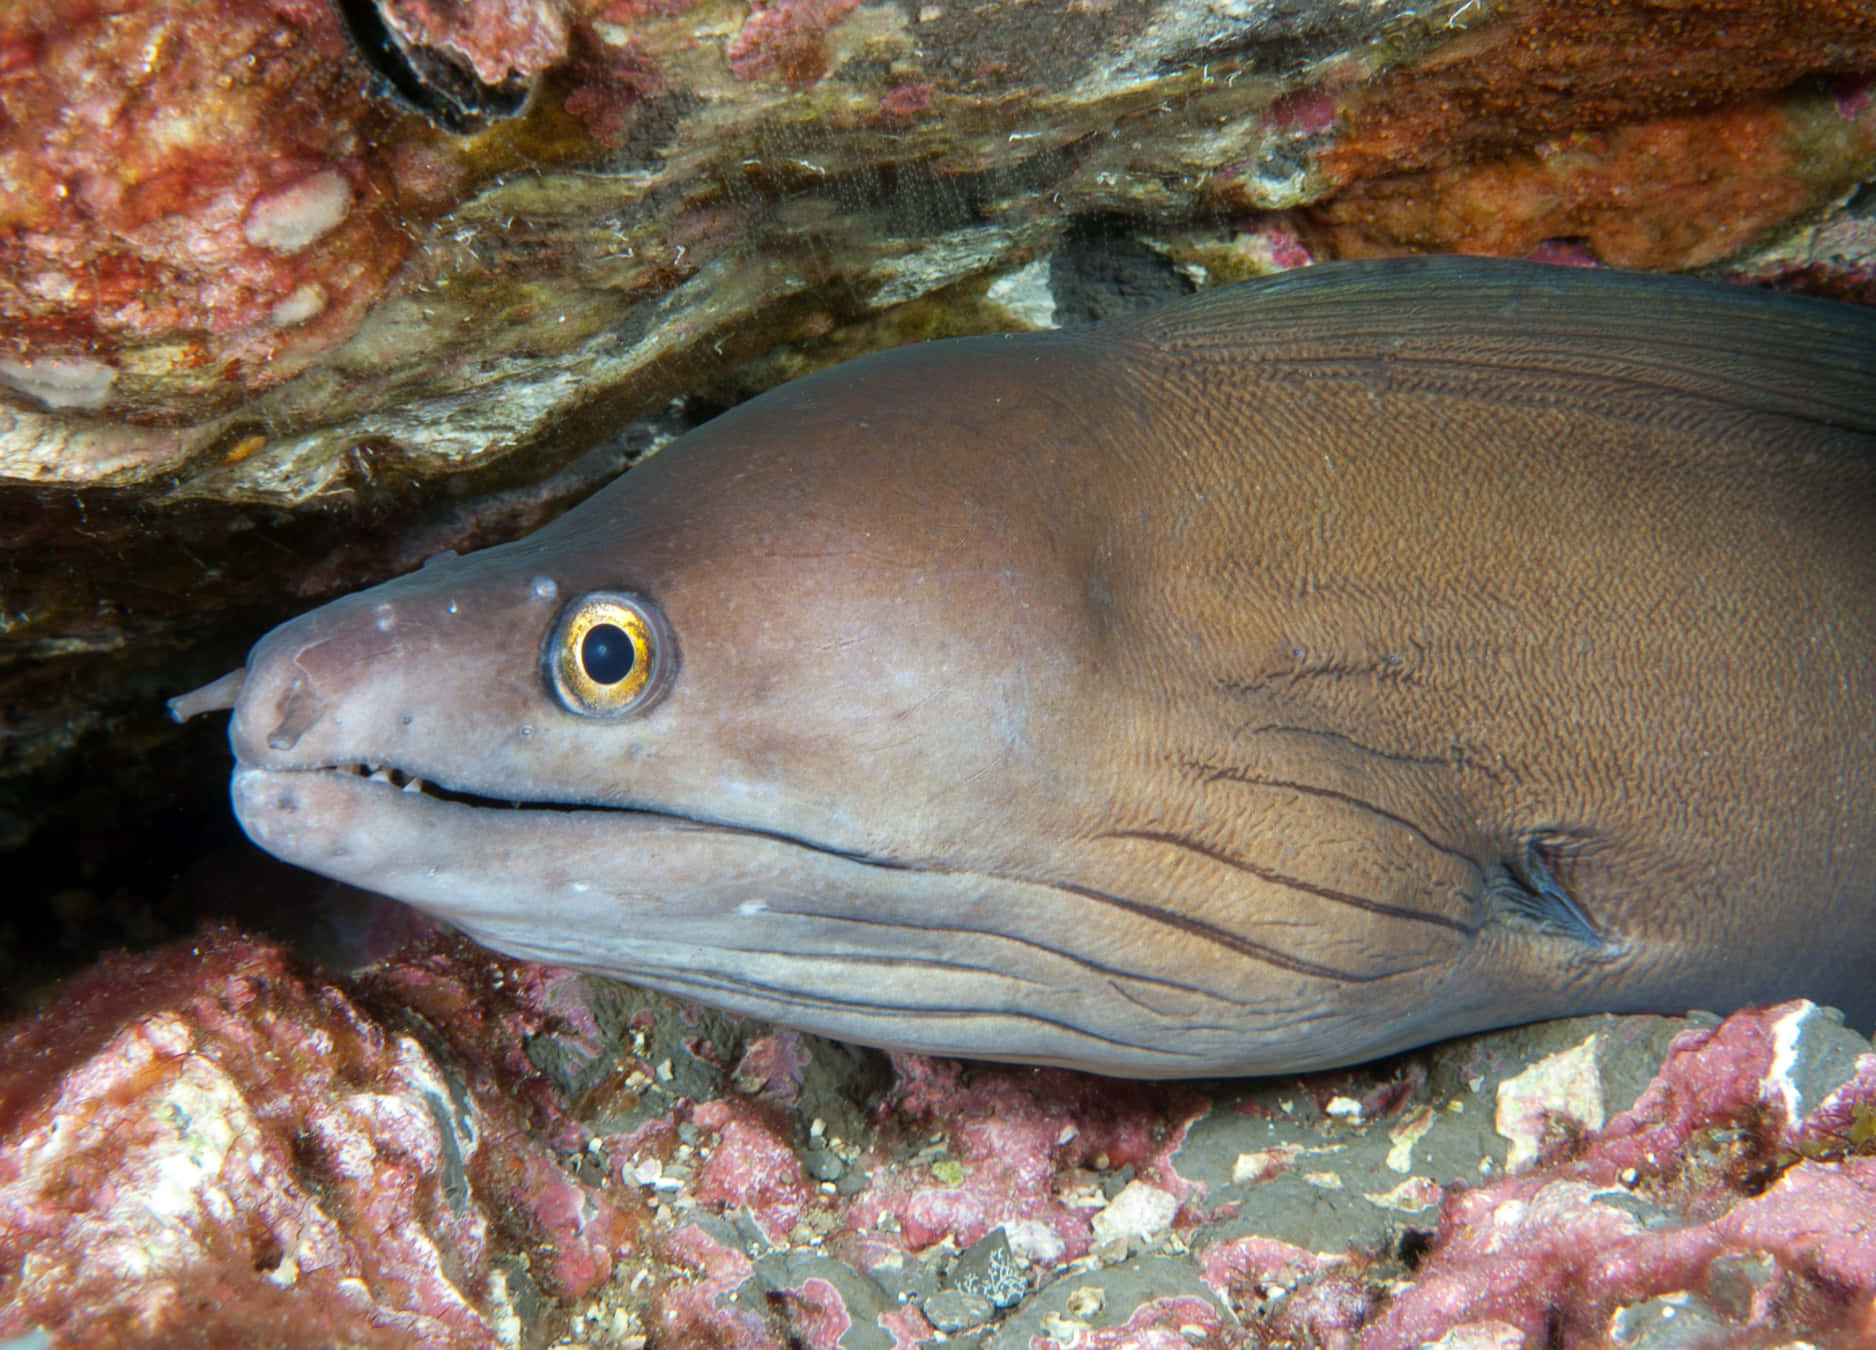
(459, 1150)
(294, 294)
(238, 245)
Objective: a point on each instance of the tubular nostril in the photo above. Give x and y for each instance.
(298, 711)
(211, 697)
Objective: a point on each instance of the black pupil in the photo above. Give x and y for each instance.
(606, 652)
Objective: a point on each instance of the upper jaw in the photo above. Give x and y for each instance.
(359, 785)
(369, 775)
(373, 771)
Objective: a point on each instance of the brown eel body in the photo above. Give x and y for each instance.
(1305, 671)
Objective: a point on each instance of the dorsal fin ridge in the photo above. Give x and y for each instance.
(1761, 351)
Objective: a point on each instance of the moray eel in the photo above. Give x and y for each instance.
(1308, 670)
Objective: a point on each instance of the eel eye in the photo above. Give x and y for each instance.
(609, 654)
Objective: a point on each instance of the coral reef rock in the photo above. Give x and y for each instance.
(453, 1149)
(239, 245)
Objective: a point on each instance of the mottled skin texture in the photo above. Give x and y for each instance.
(1306, 672)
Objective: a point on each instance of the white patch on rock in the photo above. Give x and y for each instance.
(204, 1111)
(61, 381)
(288, 220)
(1262, 1164)
(1567, 1084)
(506, 1321)
(55, 287)
(1140, 1211)
(1410, 1197)
(1487, 1335)
(939, 262)
(1026, 294)
(1507, 1221)
(1033, 1241)
(1779, 1085)
(1400, 1157)
(303, 302)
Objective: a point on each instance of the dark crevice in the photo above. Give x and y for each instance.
(434, 81)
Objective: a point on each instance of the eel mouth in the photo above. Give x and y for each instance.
(390, 776)
(395, 777)
(385, 777)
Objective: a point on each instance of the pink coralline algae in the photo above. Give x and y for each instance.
(1704, 1176)
(786, 40)
(753, 1165)
(819, 1314)
(1551, 1259)
(1309, 111)
(499, 42)
(1017, 1137)
(698, 1311)
(771, 1067)
(1252, 1261)
(1163, 1324)
(211, 1144)
(199, 203)
(610, 79)
(216, 1142)
(903, 102)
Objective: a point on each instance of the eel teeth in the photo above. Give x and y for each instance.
(384, 773)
